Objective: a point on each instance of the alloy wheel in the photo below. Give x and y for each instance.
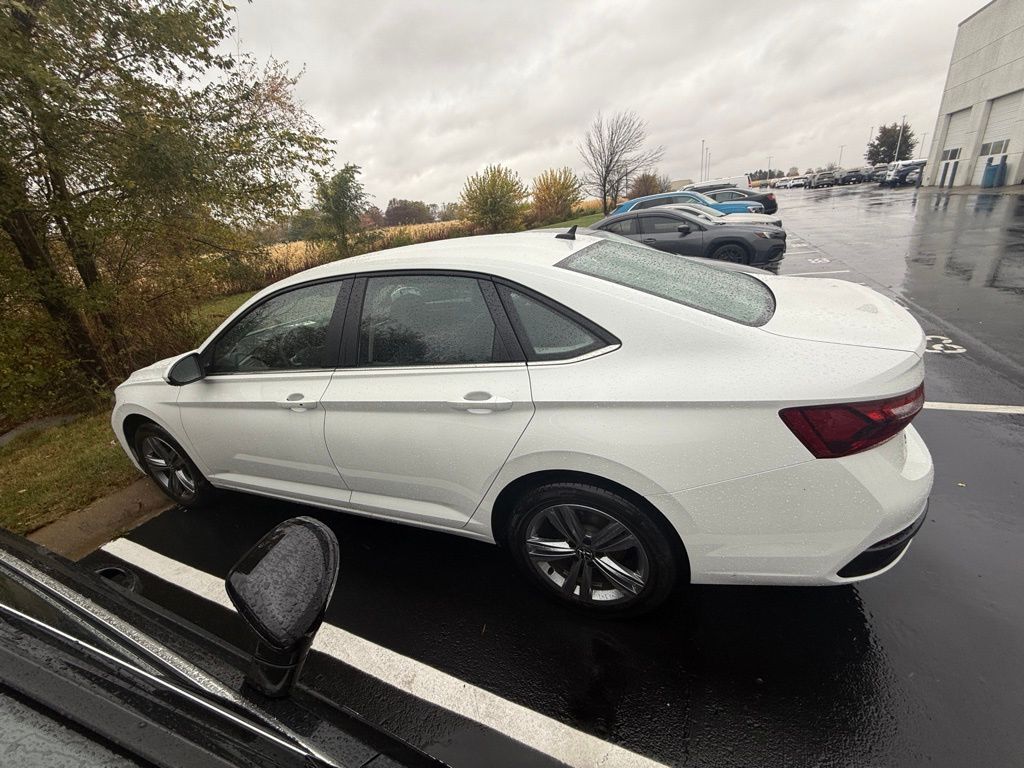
(587, 555)
(168, 467)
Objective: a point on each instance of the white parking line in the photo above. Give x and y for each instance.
(975, 407)
(824, 272)
(533, 729)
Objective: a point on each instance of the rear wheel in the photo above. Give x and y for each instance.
(592, 549)
(731, 252)
(170, 467)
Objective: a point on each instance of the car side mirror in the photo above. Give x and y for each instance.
(186, 370)
(684, 229)
(281, 588)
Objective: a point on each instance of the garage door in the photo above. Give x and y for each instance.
(952, 150)
(1005, 112)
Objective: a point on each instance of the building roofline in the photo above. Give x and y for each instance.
(986, 5)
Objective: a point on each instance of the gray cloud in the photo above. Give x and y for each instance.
(423, 94)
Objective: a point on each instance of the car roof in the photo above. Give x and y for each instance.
(492, 254)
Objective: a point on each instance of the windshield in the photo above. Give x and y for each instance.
(735, 296)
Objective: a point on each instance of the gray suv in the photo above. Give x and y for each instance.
(677, 232)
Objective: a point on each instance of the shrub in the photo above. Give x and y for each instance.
(555, 192)
(649, 183)
(494, 200)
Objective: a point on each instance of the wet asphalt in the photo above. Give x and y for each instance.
(921, 666)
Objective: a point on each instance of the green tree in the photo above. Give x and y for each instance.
(401, 212)
(130, 143)
(340, 201)
(494, 200)
(555, 192)
(884, 147)
(649, 183)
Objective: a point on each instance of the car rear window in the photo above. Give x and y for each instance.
(733, 295)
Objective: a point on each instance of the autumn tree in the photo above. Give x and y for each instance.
(341, 201)
(613, 153)
(649, 183)
(407, 212)
(494, 199)
(131, 141)
(891, 144)
(555, 192)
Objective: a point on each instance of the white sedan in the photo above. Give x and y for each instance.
(622, 420)
(712, 214)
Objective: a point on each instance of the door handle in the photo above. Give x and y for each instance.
(649, 240)
(297, 402)
(480, 402)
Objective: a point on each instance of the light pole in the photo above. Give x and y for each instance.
(708, 168)
(769, 179)
(840, 163)
(899, 140)
(923, 140)
(701, 174)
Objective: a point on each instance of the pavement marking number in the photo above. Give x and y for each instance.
(942, 345)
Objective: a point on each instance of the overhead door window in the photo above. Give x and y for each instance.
(426, 320)
(286, 332)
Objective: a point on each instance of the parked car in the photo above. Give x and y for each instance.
(675, 231)
(725, 218)
(685, 196)
(879, 172)
(798, 181)
(140, 686)
(853, 176)
(742, 181)
(896, 174)
(767, 199)
(784, 183)
(582, 400)
(914, 176)
(823, 179)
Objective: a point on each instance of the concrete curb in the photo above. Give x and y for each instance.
(77, 534)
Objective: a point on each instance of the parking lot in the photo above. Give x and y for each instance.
(437, 638)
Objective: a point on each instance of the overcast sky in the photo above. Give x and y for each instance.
(422, 94)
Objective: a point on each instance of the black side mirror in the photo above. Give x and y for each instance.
(186, 370)
(281, 587)
(684, 229)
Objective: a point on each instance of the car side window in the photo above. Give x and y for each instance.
(550, 335)
(649, 204)
(426, 320)
(661, 225)
(625, 227)
(283, 333)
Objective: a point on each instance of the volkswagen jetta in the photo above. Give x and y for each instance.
(621, 419)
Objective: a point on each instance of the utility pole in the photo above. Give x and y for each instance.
(899, 139)
(701, 174)
(840, 163)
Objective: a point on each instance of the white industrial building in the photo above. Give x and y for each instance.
(981, 117)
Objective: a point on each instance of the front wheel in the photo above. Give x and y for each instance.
(170, 467)
(731, 252)
(593, 549)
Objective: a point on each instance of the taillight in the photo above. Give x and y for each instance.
(831, 431)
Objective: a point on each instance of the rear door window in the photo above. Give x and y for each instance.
(733, 295)
(625, 227)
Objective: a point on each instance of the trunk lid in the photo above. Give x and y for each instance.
(840, 312)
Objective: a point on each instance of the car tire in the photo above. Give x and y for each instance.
(169, 466)
(594, 550)
(731, 252)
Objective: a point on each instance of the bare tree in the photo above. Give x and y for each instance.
(613, 154)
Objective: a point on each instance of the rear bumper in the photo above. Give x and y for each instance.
(884, 553)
